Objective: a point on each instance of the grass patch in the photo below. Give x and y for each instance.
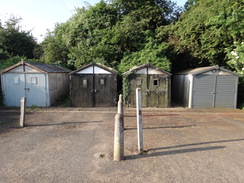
(62, 102)
(33, 108)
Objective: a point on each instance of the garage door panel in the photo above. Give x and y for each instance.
(203, 91)
(226, 83)
(225, 91)
(13, 88)
(36, 86)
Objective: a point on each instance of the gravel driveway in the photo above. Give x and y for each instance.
(76, 145)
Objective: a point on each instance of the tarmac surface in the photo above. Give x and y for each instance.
(76, 145)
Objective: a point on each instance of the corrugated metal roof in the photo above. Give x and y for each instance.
(204, 69)
(136, 68)
(48, 67)
(42, 67)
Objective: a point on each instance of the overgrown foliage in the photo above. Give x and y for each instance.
(153, 52)
(4, 63)
(14, 41)
(112, 33)
(207, 33)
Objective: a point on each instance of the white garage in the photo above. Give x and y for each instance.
(41, 84)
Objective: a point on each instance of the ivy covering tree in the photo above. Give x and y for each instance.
(153, 52)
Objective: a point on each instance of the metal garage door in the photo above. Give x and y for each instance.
(30, 86)
(226, 91)
(13, 88)
(35, 90)
(211, 91)
(203, 91)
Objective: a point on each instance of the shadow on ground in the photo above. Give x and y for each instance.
(164, 153)
(158, 127)
(151, 152)
(63, 123)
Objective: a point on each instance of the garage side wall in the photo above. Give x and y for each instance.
(58, 86)
(181, 89)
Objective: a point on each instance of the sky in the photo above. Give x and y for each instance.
(42, 15)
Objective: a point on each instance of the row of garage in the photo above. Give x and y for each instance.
(96, 85)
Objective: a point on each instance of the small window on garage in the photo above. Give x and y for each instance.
(155, 82)
(84, 82)
(16, 80)
(33, 80)
(102, 81)
(138, 82)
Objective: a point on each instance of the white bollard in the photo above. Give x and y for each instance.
(120, 104)
(139, 120)
(22, 112)
(120, 108)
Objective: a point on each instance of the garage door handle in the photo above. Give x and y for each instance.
(147, 92)
(27, 89)
(214, 92)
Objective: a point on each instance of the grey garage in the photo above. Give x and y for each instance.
(94, 85)
(206, 87)
(41, 84)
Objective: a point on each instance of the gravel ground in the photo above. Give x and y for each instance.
(76, 145)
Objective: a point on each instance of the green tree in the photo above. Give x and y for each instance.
(90, 39)
(236, 63)
(84, 38)
(106, 32)
(236, 58)
(14, 40)
(54, 49)
(204, 34)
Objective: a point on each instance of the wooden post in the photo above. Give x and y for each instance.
(118, 138)
(22, 112)
(139, 120)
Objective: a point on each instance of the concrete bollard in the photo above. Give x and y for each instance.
(120, 105)
(139, 120)
(118, 138)
(120, 108)
(22, 112)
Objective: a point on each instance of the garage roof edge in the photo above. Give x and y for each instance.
(200, 70)
(98, 65)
